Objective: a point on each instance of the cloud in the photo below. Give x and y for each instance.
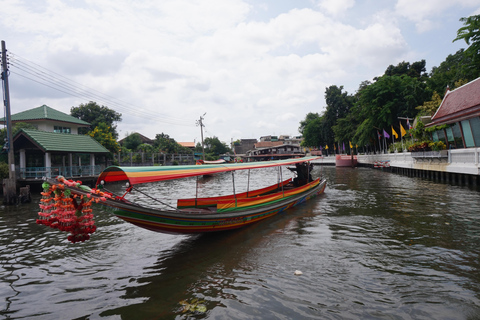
(335, 7)
(427, 13)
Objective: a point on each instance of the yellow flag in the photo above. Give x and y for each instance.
(351, 147)
(394, 133)
(402, 131)
(326, 146)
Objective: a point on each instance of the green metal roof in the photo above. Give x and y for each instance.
(62, 142)
(45, 113)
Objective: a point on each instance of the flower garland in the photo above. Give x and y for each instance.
(60, 210)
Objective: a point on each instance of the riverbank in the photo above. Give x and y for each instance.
(457, 165)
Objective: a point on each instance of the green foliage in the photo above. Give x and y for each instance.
(132, 141)
(214, 147)
(103, 135)
(308, 118)
(312, 130)
(164, 143)
(414, 70)
(95, 114)
(4, 173)
(470, 32)
(430, 107)
(454, 68)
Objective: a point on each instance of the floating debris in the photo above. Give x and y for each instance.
(193, 306)
(298, 273)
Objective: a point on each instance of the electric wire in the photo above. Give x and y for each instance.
(33, 72)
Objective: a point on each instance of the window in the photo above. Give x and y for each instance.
(59, 129)
(475, 126)
(450, 138)
(457, 133)
(467, 134)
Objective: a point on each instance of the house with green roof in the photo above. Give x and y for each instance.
(54, 147)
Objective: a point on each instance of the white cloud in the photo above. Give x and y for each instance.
(336, 7)
(427, 13)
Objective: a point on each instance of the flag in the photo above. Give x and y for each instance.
(394, 133)
(385, 134)
(343, 147)
(402, 131)
(351, 147)
(326, 146)
(408, 125)
(334, 147)
(379, 135)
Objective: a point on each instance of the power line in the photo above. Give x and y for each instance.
(33, 72)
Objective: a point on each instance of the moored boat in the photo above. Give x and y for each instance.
(345, 160)
(197, 215)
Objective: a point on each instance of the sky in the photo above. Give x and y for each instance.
(249, 68)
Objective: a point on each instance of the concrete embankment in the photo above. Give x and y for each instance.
(456, 166)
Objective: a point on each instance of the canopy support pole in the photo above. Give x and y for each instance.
(196, 192)
(248, 182)
(233, 182)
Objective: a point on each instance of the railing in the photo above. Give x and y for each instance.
(67, 172)
(152, 159)
(430, 154)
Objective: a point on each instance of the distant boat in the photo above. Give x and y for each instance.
(345, 160)
(219, 161)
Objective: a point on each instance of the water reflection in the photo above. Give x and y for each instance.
(375, 245)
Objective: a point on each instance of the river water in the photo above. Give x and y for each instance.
(376, 245)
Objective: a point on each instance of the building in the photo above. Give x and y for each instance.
(142, 138)
(54, 147)
(276, 151)
(458, 117)
(244, 146)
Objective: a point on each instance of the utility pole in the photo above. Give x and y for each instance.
(200, 123)
(9, 185)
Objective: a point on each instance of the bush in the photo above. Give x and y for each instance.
(4, 173)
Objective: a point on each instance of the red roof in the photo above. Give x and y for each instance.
(459, 104)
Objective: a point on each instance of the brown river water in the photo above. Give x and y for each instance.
(376, 245)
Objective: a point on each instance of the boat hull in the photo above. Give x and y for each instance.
(175, 222)
(345, 161)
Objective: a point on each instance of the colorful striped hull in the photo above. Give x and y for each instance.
(175, 222)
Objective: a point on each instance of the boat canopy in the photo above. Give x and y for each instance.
(138, 175)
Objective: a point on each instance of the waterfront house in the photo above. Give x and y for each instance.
(267, 150)
(460, 111)
(54, 147)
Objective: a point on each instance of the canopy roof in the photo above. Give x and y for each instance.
(137, 175)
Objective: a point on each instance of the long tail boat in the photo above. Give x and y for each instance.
(192, 215)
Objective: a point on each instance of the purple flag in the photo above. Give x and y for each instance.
(343, 146)
(385, 134)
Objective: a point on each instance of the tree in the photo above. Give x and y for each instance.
(430, 107)
(132, 141)
(454, 68)
(104, 136)
(381, 103)
(15, 128)
(214, 147)
(470, 32)
(95, 114)
(312, 130)
(168, 145)
(414, 70)
(310, 117)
